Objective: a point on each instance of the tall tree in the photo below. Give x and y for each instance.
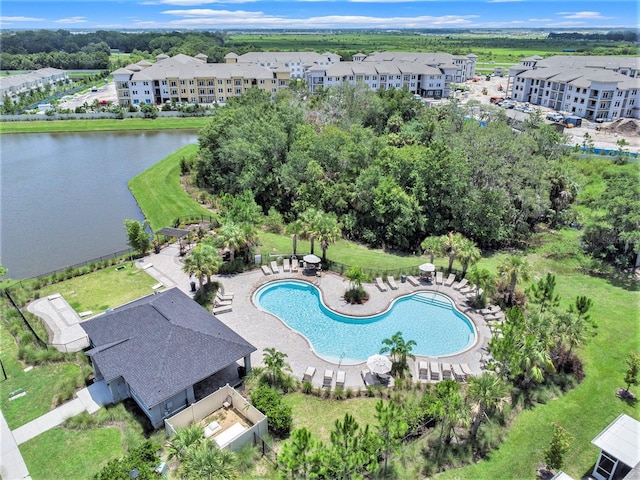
(296, 454)
(276, 364)
(482, 279)
(203, 261)
(450, 243)
(309, 220)
(449, 408)
(513, 269)
(137, 235)
(400, 350)
(231, 237)
(543, 293)
(391, 428)
(631, 376)
(488, 392)
(431, 246)
(328, 231)
(468, 254)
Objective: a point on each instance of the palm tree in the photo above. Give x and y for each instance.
(488, 392)
(482, 279)
(231, 236)
(203, 261)
(514, 268)
(275, 363)
(431, 246)
(572, 329)
(399, 351)
(183, 440)
(294, 229)
(309, 220)
(249, 240)
(534, 359)
(450, 243)
(468, 254)
(328, 231)
(208, 462)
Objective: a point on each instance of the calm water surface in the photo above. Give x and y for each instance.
(64, 196)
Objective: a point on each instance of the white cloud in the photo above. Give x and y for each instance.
(209, 18)
(72, 20)
(192, 3)
(583, 15)
(20, 19)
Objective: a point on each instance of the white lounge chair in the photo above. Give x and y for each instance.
(380, 284)
(367, 378)
(413, 280)
(450, 279)
(222, 303)
(461, 284)
(474, 293)
(328, 378)
(286, 265)
(434, 371)
(294, 265)
(266, 270)
(466, 370)
(392, 283)
(224, 297)
(438, 278)
(469, 288)
(458, 374)
(446, 371)
(341, 378)
(308, 374)
(274, 267)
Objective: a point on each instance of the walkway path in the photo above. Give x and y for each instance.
(264, 330)
(12, 466)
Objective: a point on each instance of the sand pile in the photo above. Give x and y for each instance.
(625, 126)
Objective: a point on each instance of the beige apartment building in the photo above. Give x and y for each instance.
(594, 88)
(186, 79)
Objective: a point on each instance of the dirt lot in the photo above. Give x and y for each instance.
(106, 92)
(606, 137)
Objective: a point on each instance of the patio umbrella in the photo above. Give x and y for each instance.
(379, 364)
(427, 267)
(311, 258)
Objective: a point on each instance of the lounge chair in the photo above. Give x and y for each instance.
(286, 265)
(221, 309)
(308, 374)
(392, 283)
(274, 267)
(446, 372)
(224, 298)
(222, 303)
(423, 370)
(466, 370)
(450, 279)
(380, 284)
(491, 310)
(494, 317)
(434, 371)
(328, 379)
(413, 280)
(467, 289)
(266, 270)
(461, 284)
(458, 374)
(474, 293)
(341, 378)
(294, 265)
(367, 378)
(438, 278)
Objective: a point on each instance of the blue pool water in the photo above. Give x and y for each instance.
(428, 318)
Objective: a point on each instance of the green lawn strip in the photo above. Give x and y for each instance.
(61, 453)
(103, 289)
(39, 384)
(318, 415)
(159, 193)
(585, 410)
(186, 123)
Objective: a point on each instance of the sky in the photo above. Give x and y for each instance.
(316, 14)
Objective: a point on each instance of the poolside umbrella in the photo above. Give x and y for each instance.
(311, 258)
(427, 267)
(379, 364)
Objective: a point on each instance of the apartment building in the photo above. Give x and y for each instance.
(13, 85)
(429, 75)
(594, 88)
(296, 62)
(186, 79)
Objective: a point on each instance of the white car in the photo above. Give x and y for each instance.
(555, 117)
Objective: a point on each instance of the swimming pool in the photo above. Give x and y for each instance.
(428, 318)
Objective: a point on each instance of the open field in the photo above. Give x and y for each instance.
(186, 123)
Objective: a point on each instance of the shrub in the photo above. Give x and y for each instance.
(307, 387)
(338, 394)
(269, 402)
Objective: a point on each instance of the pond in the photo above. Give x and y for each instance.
(64, 196)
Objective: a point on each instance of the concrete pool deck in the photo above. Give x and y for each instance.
(265, 330)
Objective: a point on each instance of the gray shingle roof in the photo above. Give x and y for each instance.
(162, 344)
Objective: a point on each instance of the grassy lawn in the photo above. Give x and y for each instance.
(103, 289)
(319, 415)
(61, 453)
(187, 123)
(159, 193)
(40, 384)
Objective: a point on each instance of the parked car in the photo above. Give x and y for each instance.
(555, 117)
(507, 105)
(520, 108)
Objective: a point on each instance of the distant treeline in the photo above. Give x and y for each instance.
(615, 36)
